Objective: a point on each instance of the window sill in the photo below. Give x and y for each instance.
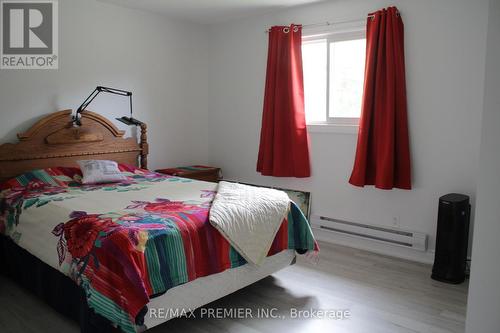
(332, 128)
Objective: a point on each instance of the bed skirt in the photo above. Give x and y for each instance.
(50, 285)
(59, 291)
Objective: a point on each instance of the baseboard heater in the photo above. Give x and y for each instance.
(399, 237)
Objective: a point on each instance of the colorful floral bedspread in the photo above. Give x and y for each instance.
(124, 243)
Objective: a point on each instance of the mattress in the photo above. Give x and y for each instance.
(205, 290)
(124, 244)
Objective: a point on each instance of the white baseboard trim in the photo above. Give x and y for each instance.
(373, 246)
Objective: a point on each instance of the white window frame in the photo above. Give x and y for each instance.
(334, 36)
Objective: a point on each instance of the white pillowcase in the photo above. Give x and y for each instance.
(100, 171)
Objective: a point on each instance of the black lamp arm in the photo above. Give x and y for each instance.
(93, 95)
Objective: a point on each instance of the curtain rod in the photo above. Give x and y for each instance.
(328, 23)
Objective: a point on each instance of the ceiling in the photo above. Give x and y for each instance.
(209, 11)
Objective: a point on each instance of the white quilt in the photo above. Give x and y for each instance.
(249, 217)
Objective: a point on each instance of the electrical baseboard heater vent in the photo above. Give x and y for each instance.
(399, 237)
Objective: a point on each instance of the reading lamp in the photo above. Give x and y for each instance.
(77, 118)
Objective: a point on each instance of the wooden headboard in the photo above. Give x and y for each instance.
(53, 141)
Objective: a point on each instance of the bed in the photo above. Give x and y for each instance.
(112, 255)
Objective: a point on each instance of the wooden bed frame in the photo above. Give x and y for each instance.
(54, 141)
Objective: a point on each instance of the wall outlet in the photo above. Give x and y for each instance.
(395, 222)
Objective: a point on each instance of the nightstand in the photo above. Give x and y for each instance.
(198, 172)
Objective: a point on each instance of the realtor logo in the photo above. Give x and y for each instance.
(29, 36)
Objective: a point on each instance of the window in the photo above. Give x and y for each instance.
(333, 77)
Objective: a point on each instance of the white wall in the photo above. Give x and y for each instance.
(484, 293)
(175, 69)
(445, 51)
(160, 60)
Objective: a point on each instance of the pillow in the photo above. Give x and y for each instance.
(100, 171)
(55, 176)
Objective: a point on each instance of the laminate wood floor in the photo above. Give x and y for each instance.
(382, 294)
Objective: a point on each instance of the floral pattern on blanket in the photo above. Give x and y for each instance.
(40, 187)
(81, 235)
(127, 242)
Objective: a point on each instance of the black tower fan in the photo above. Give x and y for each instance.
(452, 238)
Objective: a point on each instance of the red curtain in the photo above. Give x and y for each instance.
(383, 152)
(284, 144)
